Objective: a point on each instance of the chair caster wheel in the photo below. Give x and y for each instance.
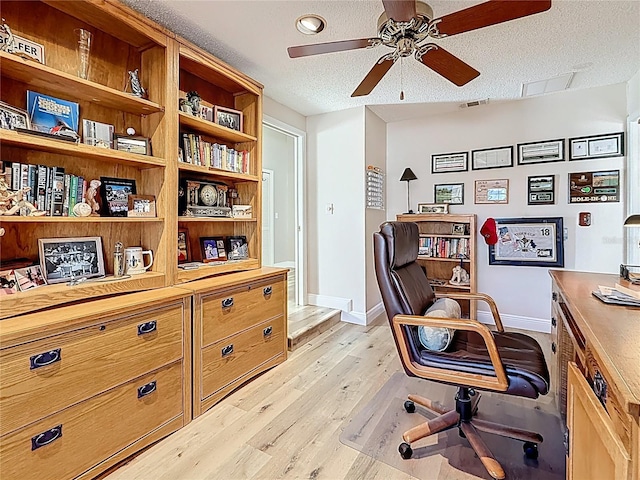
(409, 406)
(405, 451)
(530, 450)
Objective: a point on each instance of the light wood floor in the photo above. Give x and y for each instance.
(287, 422)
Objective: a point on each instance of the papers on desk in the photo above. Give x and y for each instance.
(612, 296)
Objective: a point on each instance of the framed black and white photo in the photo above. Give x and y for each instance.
(433, 208)
(492, 191)
(541, 190)
(66, 259)
(132, 144)
(597, 146)
(450, 162)
(528, 242)
(115, 195)
(541, 152)
(452, 193)
(498, 157)
(213, 249)
(12, 117)
(227, 117)
(238, 248)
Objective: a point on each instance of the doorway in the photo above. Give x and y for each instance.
(283, 242)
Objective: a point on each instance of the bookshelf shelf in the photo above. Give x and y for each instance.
(107, 220)
(214, 219)
(38, 76)
(213, 129)
(208, 270)
(216, 172)
(440, 259)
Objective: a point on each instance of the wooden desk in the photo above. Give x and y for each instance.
(598, 375)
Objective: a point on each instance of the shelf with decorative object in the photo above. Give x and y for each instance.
(216, 172)
(208, 270)
(28, 219)
(213, 129)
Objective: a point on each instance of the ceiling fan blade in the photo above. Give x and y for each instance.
(400, 10)
(490, 13)
(449, 66)
(329, 47)
(373, 77)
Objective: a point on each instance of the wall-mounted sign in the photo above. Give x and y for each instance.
(589, 187)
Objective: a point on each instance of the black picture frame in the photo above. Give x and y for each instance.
(450, 162)
(237, 247)
(214, 249)
(66, 259)
(481, 159)
(114, 193)
(132, 144)
(596, 146)
(541, 190)
(541, 152)
(528, 242)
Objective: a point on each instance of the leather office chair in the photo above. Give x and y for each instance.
(477, 358)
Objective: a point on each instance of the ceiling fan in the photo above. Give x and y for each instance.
(407, 25)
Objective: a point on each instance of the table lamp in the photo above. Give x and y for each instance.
(632, 221)
(407, 176)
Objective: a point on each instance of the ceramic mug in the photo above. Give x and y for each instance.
(134, 260)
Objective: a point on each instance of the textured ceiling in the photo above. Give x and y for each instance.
(599, 40)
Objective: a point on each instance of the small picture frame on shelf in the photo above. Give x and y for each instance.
(97, 134)
(142, 206)
(114, 194)
(28, 278)
(242, 211)
(433, 208)
(132, 144)
(8, 283)
(184, 248)
(213, 249)
(228, 117)
(66, 259)
(12, 117)
(238, 249)
(458, 229)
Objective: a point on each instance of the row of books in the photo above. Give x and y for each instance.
(444, 247)
(50, 189)
(197, 151)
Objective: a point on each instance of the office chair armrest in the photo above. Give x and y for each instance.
(476, 296)
(498, 383)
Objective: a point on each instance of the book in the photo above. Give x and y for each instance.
(53, 115)
(57, 191)
(42, 187)
(630, 289)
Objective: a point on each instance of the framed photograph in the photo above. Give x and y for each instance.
(97, 134)
(541, 190)
(433, 208)
(65, 259)
(29, 277)
(492, 191)
(459, 229)
(594, 187)
(213, 249)
(12, 117)
(238, 248)
(132, 144)
(242, 211)
(115, 195)
(498, 157)
(452, 193)
(528, 242)
(541, 152)
(450, 162)
(8, 283)
(597, 146)
(141, 205)
(227, 117)
(184, 248)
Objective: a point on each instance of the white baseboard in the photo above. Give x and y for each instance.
(338, 303)
(345, 305)
(516, 321)
(288, 264)
(375, 312)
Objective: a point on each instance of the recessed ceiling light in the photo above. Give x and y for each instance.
(310, 24)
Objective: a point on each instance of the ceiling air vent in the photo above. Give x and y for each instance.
(555, 84)
(474, 103)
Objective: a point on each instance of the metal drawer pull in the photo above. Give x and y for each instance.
(147, 389)
(600, 388)
(553, 347)
(46, 358)
(554, 322)
(147, 327)
(267, 290)
(228, 350)
(267, 331)
(45, 438)
(227, 302)
(554, 296)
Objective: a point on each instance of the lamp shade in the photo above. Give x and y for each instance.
(408, 175)
(632, 221)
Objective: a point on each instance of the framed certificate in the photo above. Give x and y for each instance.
(528, 242)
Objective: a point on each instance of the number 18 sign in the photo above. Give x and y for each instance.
(535, 242)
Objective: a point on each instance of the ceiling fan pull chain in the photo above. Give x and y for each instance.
(401, 80)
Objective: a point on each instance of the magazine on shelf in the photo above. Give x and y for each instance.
(52, 115)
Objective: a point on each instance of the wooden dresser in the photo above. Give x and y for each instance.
(239, 331)
(598, 377)
(84, 386)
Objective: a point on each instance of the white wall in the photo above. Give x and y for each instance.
(278, 155)
(633, 168)
(375, 154)
(521, 292)
(278, 111)
(335, 172)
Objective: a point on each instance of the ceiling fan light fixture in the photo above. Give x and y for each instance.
(310, 24)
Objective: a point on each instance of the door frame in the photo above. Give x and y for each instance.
(272, 233)
(300, 140)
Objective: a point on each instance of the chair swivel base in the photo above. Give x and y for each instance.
(462, 417)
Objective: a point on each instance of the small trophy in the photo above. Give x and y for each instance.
(137, 89)
(118, 261)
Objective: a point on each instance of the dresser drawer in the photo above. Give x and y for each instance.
(42, 377)
(236, 356)
(225, 313)
(70, 442)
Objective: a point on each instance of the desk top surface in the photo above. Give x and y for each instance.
(612, 329)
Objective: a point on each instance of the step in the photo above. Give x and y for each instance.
(310, 322)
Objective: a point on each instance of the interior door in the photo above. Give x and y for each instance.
(595, 451)
(268, 234)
